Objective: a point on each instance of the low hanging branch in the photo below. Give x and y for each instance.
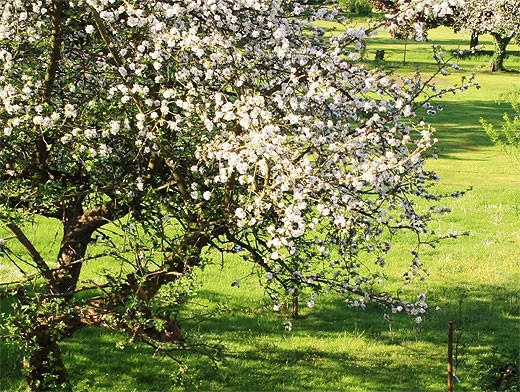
(31, 250)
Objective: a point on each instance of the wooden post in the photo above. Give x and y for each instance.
(450, 356)
(295, 307)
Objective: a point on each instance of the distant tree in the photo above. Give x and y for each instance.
(413, 18)
(150, 131)
(499, 18)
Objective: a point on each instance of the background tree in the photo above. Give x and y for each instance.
(413, 18)
(499, 18)
(359, 7)
(151, 131)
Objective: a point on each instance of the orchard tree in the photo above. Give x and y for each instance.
(499, 18)
(152, 131)
(413, 18)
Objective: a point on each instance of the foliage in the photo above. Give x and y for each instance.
(499, 372)
(359, 7)
(155, 131)
(508, 137)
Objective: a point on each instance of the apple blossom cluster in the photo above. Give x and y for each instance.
(421, 13)
(233, 116)
(429, 8)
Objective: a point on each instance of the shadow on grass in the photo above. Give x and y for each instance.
(336, 348)
(458, 125)
(330, 348)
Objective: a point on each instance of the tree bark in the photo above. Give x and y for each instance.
(46, 368)
(473, 40)
(497, 60)
(72, 252)
(51, 324)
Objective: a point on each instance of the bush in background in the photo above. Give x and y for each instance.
(360, 7)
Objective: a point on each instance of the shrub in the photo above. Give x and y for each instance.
(499, 372)
(360, 7)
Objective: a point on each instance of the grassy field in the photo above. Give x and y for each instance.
(473, 282)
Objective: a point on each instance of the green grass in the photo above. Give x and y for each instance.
(473, 282)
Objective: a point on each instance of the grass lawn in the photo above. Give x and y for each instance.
(473, 282)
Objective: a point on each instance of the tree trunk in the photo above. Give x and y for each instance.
(295, 307)
(497, 60)
(473, 40)
(52, 322)
(72, 252)
(46, 368)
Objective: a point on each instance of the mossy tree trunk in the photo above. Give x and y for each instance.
(497, 60)
(54, 320)
(46, 368)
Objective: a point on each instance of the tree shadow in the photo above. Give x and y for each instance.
(458, 126)
(331, 347)
(485, 318)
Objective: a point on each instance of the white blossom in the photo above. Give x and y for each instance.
(243, 118)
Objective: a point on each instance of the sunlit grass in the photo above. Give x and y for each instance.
(473, 281)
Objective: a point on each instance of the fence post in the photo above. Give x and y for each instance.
(450, 356)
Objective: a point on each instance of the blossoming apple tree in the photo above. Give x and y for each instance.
(499, 18)
(151, 131)
(413, 18)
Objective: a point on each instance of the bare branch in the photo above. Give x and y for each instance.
(33, 252)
